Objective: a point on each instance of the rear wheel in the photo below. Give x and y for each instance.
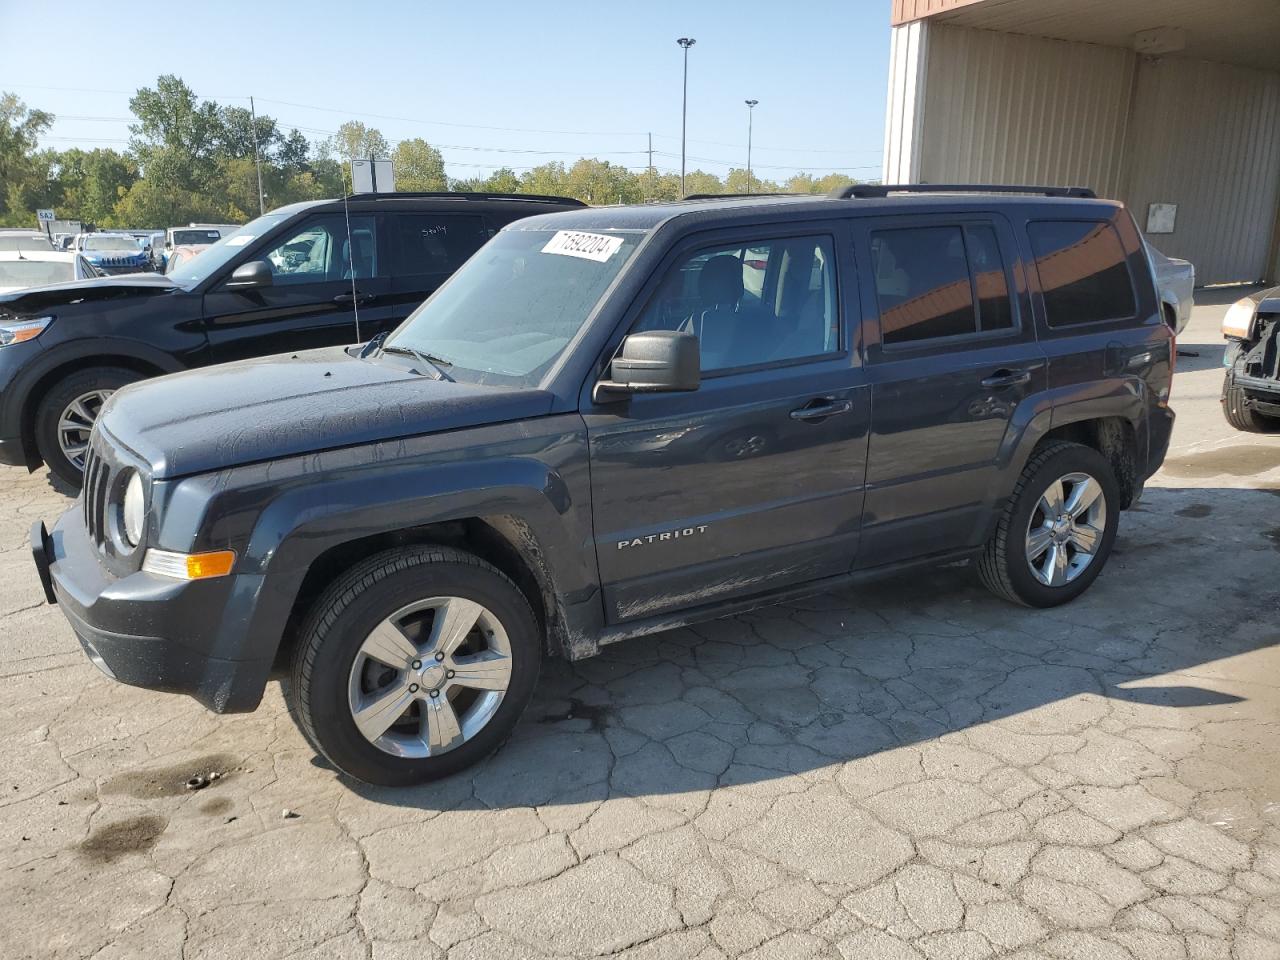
(414, 665)
(1057, 530)
(1240, 414)
(66, 415)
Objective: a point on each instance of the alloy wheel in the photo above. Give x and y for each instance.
(76, 423)
(1065, 529)
(429, 677)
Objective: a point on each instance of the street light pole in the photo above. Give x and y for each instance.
(686, 43)
(257, 157)
(750, 113)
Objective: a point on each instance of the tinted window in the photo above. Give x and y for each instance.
(995, 312)
(752, 304)
(435, 244)
(1083, 271)
(922, 284)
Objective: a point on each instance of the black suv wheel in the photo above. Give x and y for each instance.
(413, 665)
(67, 412)
(1239, 414)
(1057, 531)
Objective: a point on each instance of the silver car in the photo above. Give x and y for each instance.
(1176, 281)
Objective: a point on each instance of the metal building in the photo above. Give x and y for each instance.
(1172, 106)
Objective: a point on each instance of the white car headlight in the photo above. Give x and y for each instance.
(16, 331)
(1238, 322)
(133, 510)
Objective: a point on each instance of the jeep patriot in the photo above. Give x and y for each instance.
(612, 422)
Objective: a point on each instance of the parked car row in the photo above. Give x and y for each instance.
(608, 422)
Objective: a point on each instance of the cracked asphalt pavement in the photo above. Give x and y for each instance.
(908, 770)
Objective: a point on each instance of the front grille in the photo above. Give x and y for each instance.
(97, 478)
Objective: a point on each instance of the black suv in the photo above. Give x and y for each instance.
(308, 275)
(612, 422)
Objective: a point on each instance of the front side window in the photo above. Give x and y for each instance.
(323, 250)
(425, 244)
(510, 311)
(1084, 274)
(751, 304)
(939, 281)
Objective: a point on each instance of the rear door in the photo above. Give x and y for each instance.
(425, 249)
(320, 272)
(753, 481)
(951, 355)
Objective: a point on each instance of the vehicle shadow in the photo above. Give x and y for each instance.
(851, 675)
(1200, 356)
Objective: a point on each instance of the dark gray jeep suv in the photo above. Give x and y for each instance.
(615, 421)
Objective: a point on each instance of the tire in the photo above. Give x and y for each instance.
(1005, 566)
(334, 678)
(1239, 414)
(97, 382)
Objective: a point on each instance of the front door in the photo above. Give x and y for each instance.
(952, 356)
(754, 481)
(326, 272)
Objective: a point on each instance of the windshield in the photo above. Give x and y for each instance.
(183, 237)
(211, 260)
(508, 313)
(111, 243)
(34, 273)
(16, 241)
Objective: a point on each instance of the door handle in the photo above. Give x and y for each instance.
(357, 298)
(1007, 378)
(821, 409)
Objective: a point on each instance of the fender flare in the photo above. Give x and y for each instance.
(310, 518)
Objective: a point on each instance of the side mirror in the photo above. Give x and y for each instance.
(250, 276)
(656, 361)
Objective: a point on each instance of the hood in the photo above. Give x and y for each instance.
(82, 291)
(287, 405)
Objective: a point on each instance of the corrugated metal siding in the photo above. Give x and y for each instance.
(1207, 137)
(1005, 108)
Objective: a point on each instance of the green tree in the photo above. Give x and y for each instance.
(21, 176)
(419, 166)
(294, 152)
(736, 182)
(601, 182)
(698, 181)
(177, 138)
(92, 183)
(355, 141)
(549, 178)
(237, 129)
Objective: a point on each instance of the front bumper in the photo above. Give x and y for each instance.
(151, 631)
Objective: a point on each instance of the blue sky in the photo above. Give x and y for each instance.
(563, 79)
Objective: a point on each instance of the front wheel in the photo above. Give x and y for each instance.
(66, 414)
(1057, 530)
(414, 665)
(1239, 413)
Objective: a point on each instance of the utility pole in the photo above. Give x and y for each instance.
(686, 43)
(650, 197)
(257, 159)
(750, 113)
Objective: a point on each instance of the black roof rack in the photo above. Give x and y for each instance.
(457, 195)
(867, 190)
(741, 196)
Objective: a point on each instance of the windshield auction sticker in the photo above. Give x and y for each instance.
(587, 246)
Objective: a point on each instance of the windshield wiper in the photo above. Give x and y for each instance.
(437, 364)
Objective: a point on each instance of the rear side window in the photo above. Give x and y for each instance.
(943, 281)
(426, 243)
(1084, 274)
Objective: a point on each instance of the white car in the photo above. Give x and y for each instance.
(24, 240)
(1176, 281)
(20, 269)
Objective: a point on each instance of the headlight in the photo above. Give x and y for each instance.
(16, 331)
(133, 512)
(1238, 322)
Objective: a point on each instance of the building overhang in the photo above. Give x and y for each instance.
(1244, 33)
